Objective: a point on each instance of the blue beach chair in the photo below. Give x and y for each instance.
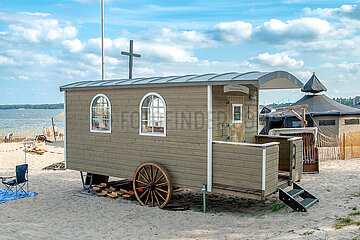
(18, 182)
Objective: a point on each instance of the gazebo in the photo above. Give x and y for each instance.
(331, 118)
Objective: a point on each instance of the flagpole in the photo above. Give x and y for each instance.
(102, 41)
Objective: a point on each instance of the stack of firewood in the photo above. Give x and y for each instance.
(115, 189)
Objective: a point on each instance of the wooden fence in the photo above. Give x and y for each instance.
(350, 145)
(336, 147)
(329, 148)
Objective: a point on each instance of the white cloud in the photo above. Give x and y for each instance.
(345, 11)
(184, 39)
(27, 28)
(36, 14)
(162, 53)
(45, 59)
(276, 60)
(353, 67)
(231, 32)
(149, 51)
(24, 77)
(6, 61)
(303, 29)
(327, 65)
(73, 45)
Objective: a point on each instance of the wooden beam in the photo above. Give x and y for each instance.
(303, 120)
(292, 107)
(303, 113)
(296, 114)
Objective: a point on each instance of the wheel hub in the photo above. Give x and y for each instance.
(151, 186)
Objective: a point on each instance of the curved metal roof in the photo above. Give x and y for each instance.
(263, 80)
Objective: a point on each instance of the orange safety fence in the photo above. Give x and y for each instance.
(31, 148)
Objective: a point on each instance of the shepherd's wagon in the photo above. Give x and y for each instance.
(191, 131)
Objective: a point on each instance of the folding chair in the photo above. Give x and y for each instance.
(18, 181)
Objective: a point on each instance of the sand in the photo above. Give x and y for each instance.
(60, 211)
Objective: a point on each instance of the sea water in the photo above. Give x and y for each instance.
(29, 122)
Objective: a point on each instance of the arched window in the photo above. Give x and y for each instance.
(153, 115)
(100, 114)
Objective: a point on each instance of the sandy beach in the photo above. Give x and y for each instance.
(60, 211)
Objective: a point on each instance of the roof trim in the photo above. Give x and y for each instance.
(263, 80)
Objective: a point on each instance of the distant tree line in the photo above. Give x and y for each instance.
(33, 106)
(348, 101)
(276, 105)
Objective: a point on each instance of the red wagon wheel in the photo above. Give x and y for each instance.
(152, 185)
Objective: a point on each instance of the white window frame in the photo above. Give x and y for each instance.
(233, 113)
(140, 112)
(91, 114)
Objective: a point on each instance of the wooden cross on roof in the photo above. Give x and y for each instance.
(131, 55)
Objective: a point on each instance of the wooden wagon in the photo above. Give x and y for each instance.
(186, 131)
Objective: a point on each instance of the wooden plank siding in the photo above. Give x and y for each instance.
(284, 150)
(290, 153)
(272, 165)
(220, 113)
(240, 167)
(297, 172)
(182, 152)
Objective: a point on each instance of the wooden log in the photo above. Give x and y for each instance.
(96, 189)
(103, 193)
(122, 191)
(126, 196)
(113, 195)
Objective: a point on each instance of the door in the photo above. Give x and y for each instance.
(236, 130)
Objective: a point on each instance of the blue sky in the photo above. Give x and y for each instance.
(45, 44)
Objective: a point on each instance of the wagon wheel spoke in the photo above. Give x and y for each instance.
(159, 179)
(156, 172)
(161, 184)
(144, 193)
(141, 182)
(159, 195)
(147, 197)
(138, 188)
(152, 198)
(151, 174)
(146, 173)
(162, 190)
(157, 200)
(147, 180)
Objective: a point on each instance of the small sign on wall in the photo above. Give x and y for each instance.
(236, 88)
